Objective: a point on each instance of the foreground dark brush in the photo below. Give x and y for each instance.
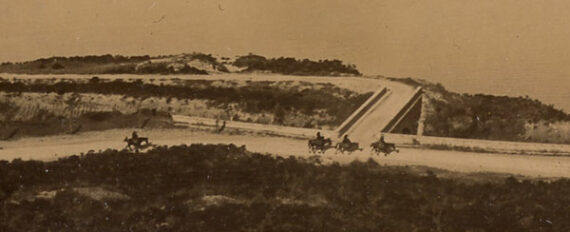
(225, 188)
(319, 145)
(386, 148)
(347, 147)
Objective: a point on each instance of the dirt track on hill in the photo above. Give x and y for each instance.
(53, 147)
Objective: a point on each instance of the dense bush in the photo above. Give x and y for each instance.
(292, 66)
(171, 189)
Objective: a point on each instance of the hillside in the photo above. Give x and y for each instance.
(194, 63)
(481, 116)
(52, 106)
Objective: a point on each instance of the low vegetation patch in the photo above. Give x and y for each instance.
(480, 116)
(226, 188)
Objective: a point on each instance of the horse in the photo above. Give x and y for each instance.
(136, 142)
(385, 148)
(316, 145)
(350, 147)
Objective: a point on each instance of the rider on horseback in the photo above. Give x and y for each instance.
(382, 140)
(136, 141)
(381, 146)
(320, 137)
(346, 140)
(347, 145)
(319, 143)
(135, 135)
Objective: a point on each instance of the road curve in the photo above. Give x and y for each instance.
(53, 147)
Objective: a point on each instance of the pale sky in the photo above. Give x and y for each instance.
(469, 46)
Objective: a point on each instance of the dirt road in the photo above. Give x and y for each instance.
(50, 148)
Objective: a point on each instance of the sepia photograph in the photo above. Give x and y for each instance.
(258, 115)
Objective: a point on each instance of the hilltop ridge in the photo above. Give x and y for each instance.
(186, 63)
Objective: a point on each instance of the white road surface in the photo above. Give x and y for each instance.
(53, 147)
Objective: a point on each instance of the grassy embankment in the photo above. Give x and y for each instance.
(224, 188)
(60, 105)
(480, 116)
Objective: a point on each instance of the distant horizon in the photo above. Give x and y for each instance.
(483, 46)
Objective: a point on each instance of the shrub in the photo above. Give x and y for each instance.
(57, 66)
(292, 66)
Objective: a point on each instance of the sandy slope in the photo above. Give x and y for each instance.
(50, 148)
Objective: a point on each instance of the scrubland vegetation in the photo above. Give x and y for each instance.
(226, 188)
(194, 63)
(298, 104)
(481, 116)
(292, 66)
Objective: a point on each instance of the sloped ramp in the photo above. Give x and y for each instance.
(383, 114)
